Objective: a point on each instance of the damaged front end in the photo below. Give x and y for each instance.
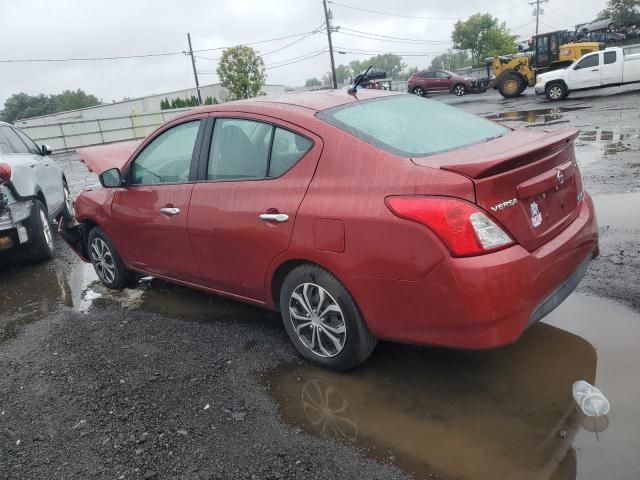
(75, 235)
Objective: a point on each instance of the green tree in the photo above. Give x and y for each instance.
(483, 36)
(215, 101)
(21, 105)
(313, 82)
(389, 62)
(451, 61)
(208, 100)
(622, 12)
(241, 72)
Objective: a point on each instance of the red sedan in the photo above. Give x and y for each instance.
(383, 217)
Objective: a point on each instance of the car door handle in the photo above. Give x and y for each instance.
(274, 217)
(594, 70)
(170, 211)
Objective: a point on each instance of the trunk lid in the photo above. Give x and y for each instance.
(527, 180)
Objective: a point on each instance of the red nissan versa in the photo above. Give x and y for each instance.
(384, 217)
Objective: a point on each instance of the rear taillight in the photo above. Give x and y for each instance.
(5, 173)
(463, 227)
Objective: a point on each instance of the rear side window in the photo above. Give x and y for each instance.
(609, 57)
(239, 150)
(409, 126)
(12, 139)
(288, 148)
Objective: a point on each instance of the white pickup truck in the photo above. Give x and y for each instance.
(612, 67)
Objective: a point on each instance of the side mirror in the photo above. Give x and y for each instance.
(111, 178)
(46, 150)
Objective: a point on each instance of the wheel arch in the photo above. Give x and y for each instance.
(281, 271)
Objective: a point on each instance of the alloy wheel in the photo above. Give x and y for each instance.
(418, 91)
(458, 90)
(46, 229)
(317, 320)
(103, 260)
(555, 92)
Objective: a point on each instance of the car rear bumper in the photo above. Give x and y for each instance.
(485, 301)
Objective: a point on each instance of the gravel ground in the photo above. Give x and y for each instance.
(164, 382)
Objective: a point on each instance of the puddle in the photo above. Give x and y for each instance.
(29, 292)
(506, 413)
(540, 116)
(619, 211)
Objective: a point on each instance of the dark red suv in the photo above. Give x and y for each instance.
(420, 83)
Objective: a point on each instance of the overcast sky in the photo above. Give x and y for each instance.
(36, 29)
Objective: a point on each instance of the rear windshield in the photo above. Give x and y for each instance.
(411, 126)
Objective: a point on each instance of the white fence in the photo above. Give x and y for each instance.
(66, 136)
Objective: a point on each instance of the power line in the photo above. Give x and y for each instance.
(146, 55)
(388, 39)
(269, 67)
(418, 17)
(358, 51)
(313, 32)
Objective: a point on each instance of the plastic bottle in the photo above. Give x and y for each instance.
(590, 400)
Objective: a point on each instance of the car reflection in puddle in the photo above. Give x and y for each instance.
(541, 116)
(506, 413)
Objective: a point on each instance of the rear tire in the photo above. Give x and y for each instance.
(511, 85)
(106, 261)
(556, 91)
(419, 91)
(40, 233)
(322, 319)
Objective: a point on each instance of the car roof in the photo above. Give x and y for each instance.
(299, 103)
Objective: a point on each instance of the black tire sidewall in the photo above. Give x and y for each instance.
(359, 340)
(556, 84)
(123, 275)
(38, 247)
(66, 214)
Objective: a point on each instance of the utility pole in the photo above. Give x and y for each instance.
(537, 4)
(327, 20)
(195, 73)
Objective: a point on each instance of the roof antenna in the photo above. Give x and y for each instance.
(354, 90)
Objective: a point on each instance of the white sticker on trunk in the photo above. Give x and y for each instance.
(536, 216)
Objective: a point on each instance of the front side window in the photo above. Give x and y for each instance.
(10, 137)
(590, 61)
(33, 148)
(442, 75)
(167, 159)
(409, 126)
(609, 58)
(239, 149)
(288, 148)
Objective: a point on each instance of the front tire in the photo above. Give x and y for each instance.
(556, 92)
(459, 90)
(40, 233)
(106, 261)
(68, 212)
(511, 85)
(322, 319)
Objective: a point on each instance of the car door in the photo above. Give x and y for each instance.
(429, 80)
(586, 73)
(443, 80)
(254, 174)
(49, 174)
(149, 215)
(611, 71)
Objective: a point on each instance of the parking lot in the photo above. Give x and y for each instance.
(164, 382)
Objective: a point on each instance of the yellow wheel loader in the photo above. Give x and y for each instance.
(514, 73)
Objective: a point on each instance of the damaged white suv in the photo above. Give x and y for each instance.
(33, 193)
